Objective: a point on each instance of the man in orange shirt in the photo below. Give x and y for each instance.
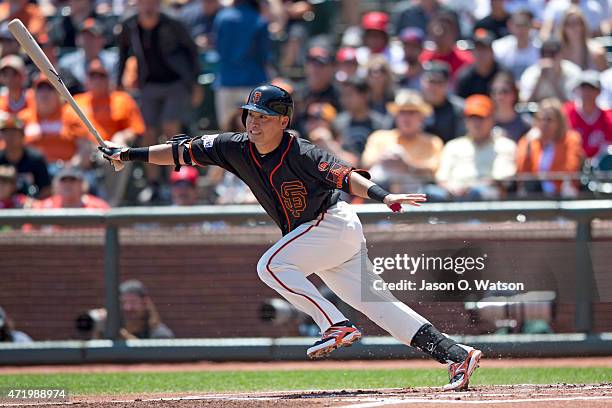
(28, 13)
(70, 191)
(114, 114)
(14, 97)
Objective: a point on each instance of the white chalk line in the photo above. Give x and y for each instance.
(395, 401)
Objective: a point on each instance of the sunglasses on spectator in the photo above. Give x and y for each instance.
(70, 179)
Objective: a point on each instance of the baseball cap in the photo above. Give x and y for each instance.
(69, 172)
(346, 54)
(93, 26)
(483, 37)
(96, 66)
(358, 82)
(186, 174)
(412, 34)
(478, 105)
(133, 286)
(320, 55)
(409, 100)
(8, 121)
(8, 173)
(375, 20)
(434, 68)
(12, 61)
(322, 110)
(589, 77)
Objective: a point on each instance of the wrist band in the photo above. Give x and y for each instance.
(135, 154)
(377, 193)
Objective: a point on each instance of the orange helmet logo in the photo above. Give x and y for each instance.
(256, 97)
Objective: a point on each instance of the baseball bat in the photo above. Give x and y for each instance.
(31, 47)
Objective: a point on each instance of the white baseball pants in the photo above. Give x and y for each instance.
(333, 247)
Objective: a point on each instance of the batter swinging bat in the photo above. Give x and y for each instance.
(23, 36)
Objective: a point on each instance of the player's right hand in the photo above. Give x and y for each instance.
(112, 153)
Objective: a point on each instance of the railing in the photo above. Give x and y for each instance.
(582, 212)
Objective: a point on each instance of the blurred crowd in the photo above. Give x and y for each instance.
(460, 100)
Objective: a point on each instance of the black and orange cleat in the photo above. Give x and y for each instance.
(342, 334)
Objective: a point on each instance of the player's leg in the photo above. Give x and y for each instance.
(285, 268)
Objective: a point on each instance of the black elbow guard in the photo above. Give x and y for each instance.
(177, 141)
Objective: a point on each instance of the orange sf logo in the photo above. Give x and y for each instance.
(294, 197)
(256, 97)
(323, 166)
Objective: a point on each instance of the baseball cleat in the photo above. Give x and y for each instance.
(342, 334)
(460, 373)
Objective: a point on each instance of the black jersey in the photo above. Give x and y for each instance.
(294, 183)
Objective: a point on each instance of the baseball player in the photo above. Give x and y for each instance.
(297, 184)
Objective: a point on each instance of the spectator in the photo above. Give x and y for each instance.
(587, 118)
(73, 85)
(605, 98)
(69, 191)
(168, 68)
(241, 36)
(447, 119)
(476, 78)
(8, 43)
(90, 41)
(550, 77)
(319, 129)
(418, 14)
(199, 17)
(413, 39)
(347, 64)
(520, 49)
(29, 13)
(357, 121)
(472, 165)
(9, 197)
(497, 21)
(15, 97)
(318, 85)
(375, 26)
(404, 158)
(550, 147)
(183, 186)
(45, 130)
(553, 13)
(443, 31)
(7, 332)
(294, 16)
(380, 82)
(505, 97)
(117, 118)
(65, 26)
(140, 317)
(32, 177)
(576, 46)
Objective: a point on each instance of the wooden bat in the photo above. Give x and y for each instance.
(31, 47)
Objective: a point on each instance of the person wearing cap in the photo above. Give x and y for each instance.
(70, 191)
(32, 176)
(15, 97)
(472, 166)
(550, 77)
(183, 186)
(9, 197)
(412, 39)
(357, 120)
(496, 21)
(586, 117)
(521, 48)
(242, 41)
(447, 118)
(443, 31)
(476, 78)
(8, 334)
(140, 317)
(376, 40)
(29, 13)
(404, 157)
(346, 63)
(550, 147)
(90, 43)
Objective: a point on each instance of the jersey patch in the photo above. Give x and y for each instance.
(208, 140)
(336, 174)
(294, 197)
(323, 166)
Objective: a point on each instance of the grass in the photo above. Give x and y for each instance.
(211, 381)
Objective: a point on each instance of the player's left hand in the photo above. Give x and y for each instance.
(395, 201)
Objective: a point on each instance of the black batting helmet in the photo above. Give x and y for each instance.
(268, 100)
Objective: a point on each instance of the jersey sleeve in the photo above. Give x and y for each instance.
(330, 170)
(210, 149)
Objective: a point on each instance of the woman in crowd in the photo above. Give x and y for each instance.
(505, 96)
(380, 83)
(576, 46)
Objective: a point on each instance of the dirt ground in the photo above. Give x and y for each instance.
(508, 396)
